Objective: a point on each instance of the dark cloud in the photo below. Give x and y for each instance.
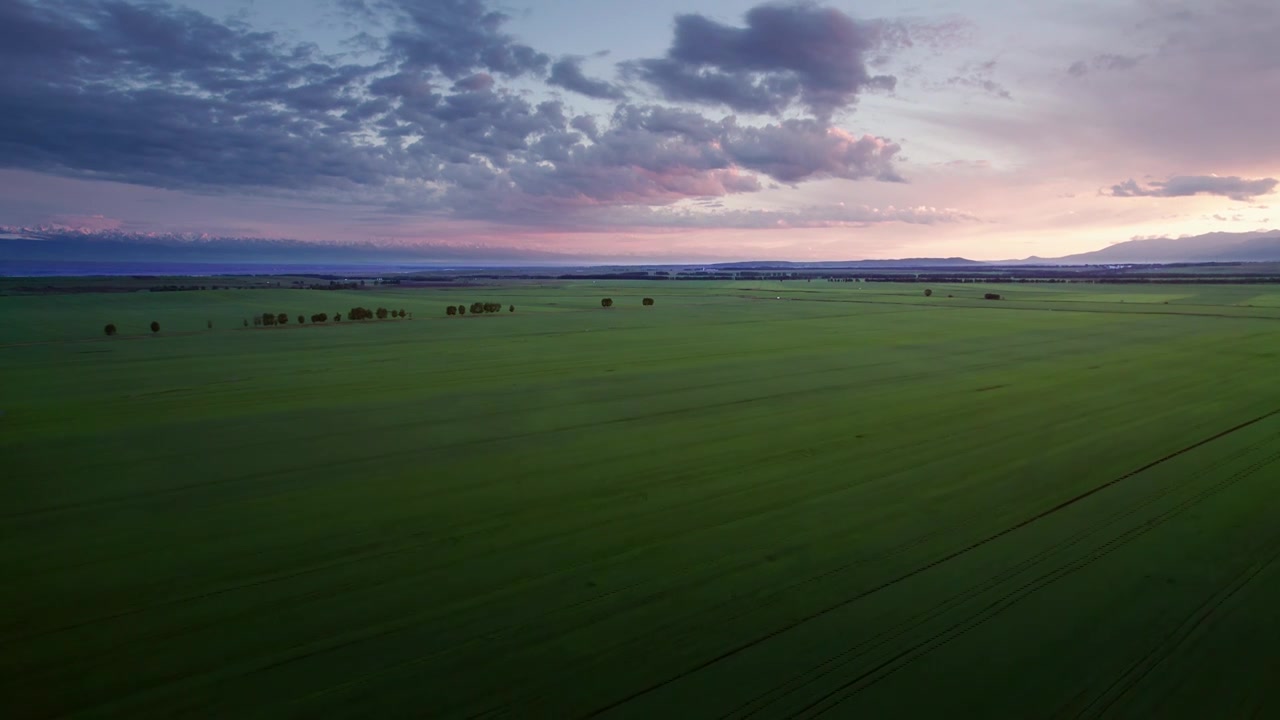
(654, 155)
(567, 73)
(163, 96)
(456, 37)
(157, 95)
(798, 53)
(1235, 188)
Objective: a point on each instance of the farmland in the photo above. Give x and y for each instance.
(753, 499)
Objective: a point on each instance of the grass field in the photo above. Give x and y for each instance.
(753, 499)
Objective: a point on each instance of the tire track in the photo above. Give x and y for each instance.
(923, 568)
(884, 637)
(904, 658)
(1140, 669)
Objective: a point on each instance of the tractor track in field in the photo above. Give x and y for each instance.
(918, 650)
(1141, 668)
(924, 568)
(902, 628)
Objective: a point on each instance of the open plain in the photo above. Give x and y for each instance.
(752, 499)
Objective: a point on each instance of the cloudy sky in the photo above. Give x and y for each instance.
(658, 130)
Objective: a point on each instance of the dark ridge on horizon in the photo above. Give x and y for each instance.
(61, 244)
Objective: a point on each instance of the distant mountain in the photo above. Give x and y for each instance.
(905, 263)
(1212, 247)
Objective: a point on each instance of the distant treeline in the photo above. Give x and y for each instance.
(1127, 275)
(477, 308)
(355, 314)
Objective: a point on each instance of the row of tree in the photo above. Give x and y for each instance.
(363, 313)
(355, 313)
(477, 308)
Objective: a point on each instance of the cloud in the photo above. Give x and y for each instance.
(1235, 188)
(567, 73)
(813, 216)
(1105, 62)
(787, 54)
(426, 123)
(798, 150)
(455, 37)
(979, 76)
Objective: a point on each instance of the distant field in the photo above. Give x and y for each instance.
(754, 499)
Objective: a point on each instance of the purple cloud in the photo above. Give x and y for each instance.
(1105, 62)
(160, 96)
(797, 53)
(567, 73)
(1235, 188)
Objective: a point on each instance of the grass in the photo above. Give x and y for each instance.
(753, 499)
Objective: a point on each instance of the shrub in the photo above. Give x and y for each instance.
(928, 292)
(451, 310)
(647, 301)
(606, 302)
(991, 296)
(337, 317)
(282, 319)
(209, 324)
(110, 329)
(155, 326)
(511, 309)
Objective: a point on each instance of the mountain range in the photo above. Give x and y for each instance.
(1261, 246)
(62, 244)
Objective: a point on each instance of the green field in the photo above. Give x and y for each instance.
(753, 499)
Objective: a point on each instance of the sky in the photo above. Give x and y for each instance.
(643, 132)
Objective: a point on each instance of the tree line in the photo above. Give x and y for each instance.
(477, 308)
(268, 319)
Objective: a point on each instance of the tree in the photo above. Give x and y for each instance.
(992, 296)
(402, 313)
(110, 329)
(246, 322)
(282, 319)
(209, 324)
(606, 302)
(381, 313)
(155, 326)
(337, 317)
(462, 309)
(647, 301)
(451, 310)
(928, 292)
(477, 308)
(511, 309)
(302, 320)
